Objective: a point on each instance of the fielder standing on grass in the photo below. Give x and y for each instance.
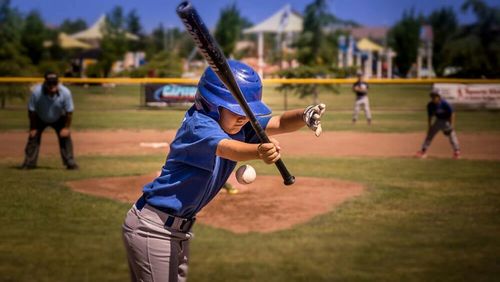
(51, 105)
(214, 135)
(360, 87)
(444, 121)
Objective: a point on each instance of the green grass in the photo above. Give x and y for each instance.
(384, 121)
(432, 220)
(127, 97)
(382, 97)
(396, 108)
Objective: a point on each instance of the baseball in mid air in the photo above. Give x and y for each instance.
(246, 174)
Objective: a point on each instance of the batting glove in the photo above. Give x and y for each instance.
(312, 117)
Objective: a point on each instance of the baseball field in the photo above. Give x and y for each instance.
(363, 208)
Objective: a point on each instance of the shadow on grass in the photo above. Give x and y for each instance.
(20, 167)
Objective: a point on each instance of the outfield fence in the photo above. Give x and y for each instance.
(469, 93)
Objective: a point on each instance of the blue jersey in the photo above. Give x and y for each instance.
(443, 110)
(193, 174)
(50, 108)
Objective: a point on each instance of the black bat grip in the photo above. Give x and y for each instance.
(218, 62)
(288, 178)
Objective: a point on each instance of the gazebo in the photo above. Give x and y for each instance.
(284, 21)
(361, 54)
(94, 34)
(67, 42)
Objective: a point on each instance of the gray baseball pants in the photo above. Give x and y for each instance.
(365, 103)
(154, 252)
(445, 126)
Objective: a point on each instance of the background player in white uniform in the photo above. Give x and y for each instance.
(360, 87)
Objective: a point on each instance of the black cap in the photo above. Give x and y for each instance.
(51, 77)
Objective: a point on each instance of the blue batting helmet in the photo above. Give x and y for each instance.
(212, 93)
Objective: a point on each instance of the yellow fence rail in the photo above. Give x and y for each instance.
(267, 81)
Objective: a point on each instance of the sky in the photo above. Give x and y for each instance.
(154, 12)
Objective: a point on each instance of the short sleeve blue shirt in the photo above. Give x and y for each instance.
(193, 174)
(48, 108)
(443, 110)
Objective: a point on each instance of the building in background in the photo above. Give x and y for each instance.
(286, 25)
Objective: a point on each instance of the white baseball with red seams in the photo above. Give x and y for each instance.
(246, 174)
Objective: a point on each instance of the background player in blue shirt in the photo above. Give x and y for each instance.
(444, 121)
(213, 137)
(51, 105)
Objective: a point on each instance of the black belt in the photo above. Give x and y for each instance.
(172, 221)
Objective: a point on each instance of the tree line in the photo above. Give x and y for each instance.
(472, 50)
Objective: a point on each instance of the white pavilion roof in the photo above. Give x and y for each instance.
(95, 31)
(284, 20)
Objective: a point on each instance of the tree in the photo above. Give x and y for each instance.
(12, 61)
(114, 41)
(184, 44)
(159, 38)
(228, 28)
(72, 26)
(305, 90)
(133, 23)
(162, 64)
(33, 35)
(475, 49)
(133, 26)
(404, 39)
(312, 38)
(316, 52)
(444, 26)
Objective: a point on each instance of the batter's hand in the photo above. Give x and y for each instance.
(312, 117)
(32, 133)
(64, 132)
(269, 152)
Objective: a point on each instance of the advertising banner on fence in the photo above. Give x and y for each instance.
(471, 95)
(169, 94)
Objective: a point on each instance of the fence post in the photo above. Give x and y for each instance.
(142, 94)
(286, 100)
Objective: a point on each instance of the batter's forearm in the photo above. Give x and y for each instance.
(287, 122)
(237, 151)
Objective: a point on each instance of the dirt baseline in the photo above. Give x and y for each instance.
(330, 144)
(278, 207)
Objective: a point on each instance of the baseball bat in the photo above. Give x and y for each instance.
(218, 62)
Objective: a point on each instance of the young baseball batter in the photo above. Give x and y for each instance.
(444, 121)
(213, 137)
